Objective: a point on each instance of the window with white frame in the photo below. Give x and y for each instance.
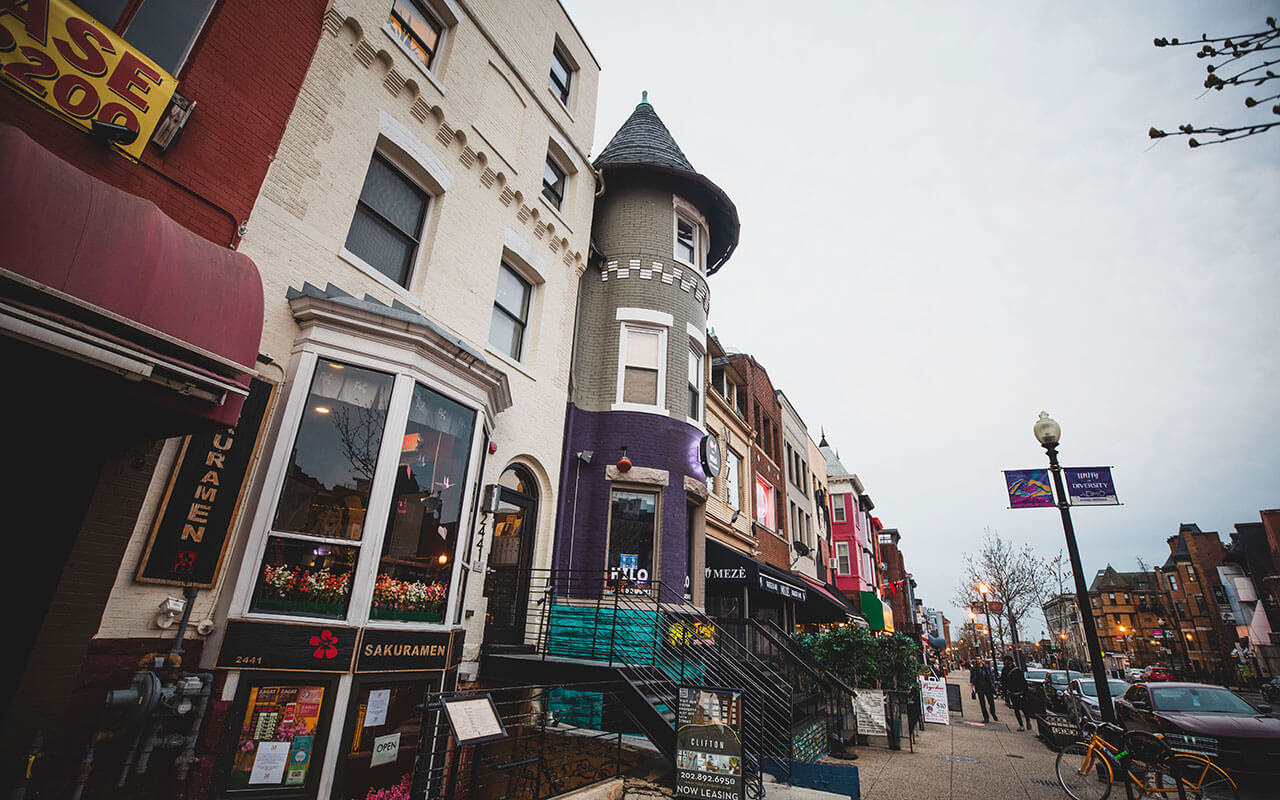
(842, 558)
(561, 78)
(837, 507)
(510, 312)
(418, 30)
(642, 375)
(326, 518)
(766, 504)
(389, 220)
(554, 182)
(733, 481)
(688, 245)
(695, 385)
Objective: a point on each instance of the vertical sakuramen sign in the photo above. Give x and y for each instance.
(65, 60)
(709, 744)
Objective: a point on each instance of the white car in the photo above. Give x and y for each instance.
(1082, 698)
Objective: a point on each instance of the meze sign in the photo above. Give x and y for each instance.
(60, 57)
(709, 744)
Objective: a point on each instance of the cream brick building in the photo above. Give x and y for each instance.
(420, 236)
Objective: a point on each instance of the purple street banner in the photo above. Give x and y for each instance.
(1090, 486)
(1029, 488)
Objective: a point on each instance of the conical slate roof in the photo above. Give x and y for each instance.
(643, 144)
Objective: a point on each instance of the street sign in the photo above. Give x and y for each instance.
(992, 606)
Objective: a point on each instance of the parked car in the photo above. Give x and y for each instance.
(1158, 674)
(1212, 720)
(1055, 688)
(1271, 690)
(1082, 697)
(1133, 674)
(1035, 690)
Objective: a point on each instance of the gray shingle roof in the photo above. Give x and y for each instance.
(643, 144)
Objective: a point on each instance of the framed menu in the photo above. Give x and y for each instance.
(474, 719)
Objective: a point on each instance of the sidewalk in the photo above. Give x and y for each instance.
(965, 760)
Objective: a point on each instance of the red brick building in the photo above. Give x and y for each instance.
(131, 159)
(896, 589)
(1193, 594)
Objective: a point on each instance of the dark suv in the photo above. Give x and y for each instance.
(1055, 689)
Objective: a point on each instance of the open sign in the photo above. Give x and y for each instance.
(60, 57)
(385, 749)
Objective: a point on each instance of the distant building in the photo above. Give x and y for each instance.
(1129, 617)
(1194, 595)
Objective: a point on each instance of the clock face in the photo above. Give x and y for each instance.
(710, 455)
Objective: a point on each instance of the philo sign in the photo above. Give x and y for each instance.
(59, 57)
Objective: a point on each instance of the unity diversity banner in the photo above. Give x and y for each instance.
(1090, 486)
(933, 693)
(1029, 488)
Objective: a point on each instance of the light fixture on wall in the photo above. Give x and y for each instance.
(624, 463)
(585, 456)
(734, 518)
(171, 609)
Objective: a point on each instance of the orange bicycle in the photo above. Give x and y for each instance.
(1088, 770)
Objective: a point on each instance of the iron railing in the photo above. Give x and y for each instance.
(559, 738)
(658, 640)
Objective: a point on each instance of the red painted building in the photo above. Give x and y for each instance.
(132, 149)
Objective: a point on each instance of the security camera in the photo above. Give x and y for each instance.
(112, 133)
(170, 609)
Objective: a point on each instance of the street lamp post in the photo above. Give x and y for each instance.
(1048, 433)
(986, 608)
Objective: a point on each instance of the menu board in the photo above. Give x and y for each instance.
(709, 744)
(474, 719)
(870, 705)
(933, 693)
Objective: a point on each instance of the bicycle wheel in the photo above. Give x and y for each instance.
(1201, 779)
(1083, 772)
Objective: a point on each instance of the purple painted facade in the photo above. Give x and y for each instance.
(653, 442)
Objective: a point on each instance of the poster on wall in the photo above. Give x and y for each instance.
(933, 694)
(276, 736)
(709, 744)
(870, 706)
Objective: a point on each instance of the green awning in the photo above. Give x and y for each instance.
(878, 613)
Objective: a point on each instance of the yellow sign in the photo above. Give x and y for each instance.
(64, 59)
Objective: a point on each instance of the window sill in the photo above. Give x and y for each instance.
(562, 104)
(414, 60)
(656, 410)
(520, 367)
(555, 211)
(369, 270)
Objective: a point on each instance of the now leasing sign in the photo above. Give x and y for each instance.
(60, 57)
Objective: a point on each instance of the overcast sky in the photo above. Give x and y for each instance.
(952, 218)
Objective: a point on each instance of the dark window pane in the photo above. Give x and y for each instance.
(422, 526)
(278, 716)
(306, 578)
(505, 333)
(166, 29)
(105, 11)
(561, 75)
(326, 488)
(632, 518)
(553, 183)
(394, 197)
(381, 246)
(362, 777)
(685, 241)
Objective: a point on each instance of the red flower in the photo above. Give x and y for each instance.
(325, 644)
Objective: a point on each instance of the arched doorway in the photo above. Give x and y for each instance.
(510, 557)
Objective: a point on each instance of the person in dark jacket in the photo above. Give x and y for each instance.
(1014, 683)
(984, 688)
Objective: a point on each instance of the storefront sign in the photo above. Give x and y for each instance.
(1028, 488)
(193, 527)
(709, 744)
(933, 693)
(406, 651)
(279, 646)
(780, 588)
(1090, 486)
(869, 704)
(734, 574)
(59, 57)
(709, 452)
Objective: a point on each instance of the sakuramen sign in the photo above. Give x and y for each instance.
(61, 58)
(709, 744)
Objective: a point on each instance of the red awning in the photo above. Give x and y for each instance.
(106, 277)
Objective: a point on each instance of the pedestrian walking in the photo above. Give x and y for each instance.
(1014, 682)
(983, 681)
